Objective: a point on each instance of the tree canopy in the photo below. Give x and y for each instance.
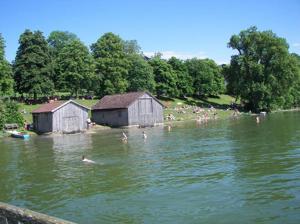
(32, 67)
(184, 82)
(263, 71)
(165, 77)
(140, 74)
(57, 40)
(207, 77)
(6, 79)
(75, 67)
(111, 64)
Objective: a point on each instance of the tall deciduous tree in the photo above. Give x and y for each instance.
(32, 67)
(207, 77)
(57, 40)
(295, 90)
(6, 80)
(263, 71)
(164, 76)
(140, 74)
(184, 80)
(131, 47)
(111, 64)
(75, 67)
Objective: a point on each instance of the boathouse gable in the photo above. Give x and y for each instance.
(64, 117)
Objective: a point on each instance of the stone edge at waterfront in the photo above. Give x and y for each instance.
(14, 215)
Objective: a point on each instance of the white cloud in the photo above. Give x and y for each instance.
(180, 55)
(221, 62)
(296, 45)
(184, 55)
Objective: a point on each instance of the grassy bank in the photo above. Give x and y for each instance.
(181, 109)
(193, 108)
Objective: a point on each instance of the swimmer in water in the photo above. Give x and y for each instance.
(257, 119)
(169, 128)
(87, 160)
(144, 135)
(124, 138)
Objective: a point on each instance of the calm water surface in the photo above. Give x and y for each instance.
(232, 171)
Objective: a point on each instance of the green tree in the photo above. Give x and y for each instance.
(75, 67)
(111, 64)
(12, 114)
(263, 71)
(32, 66)
(165, 77)
(57, 40)
(9, 113)
(207, 77)
(140, 74)
(184, 80)
(295, 90)
(131, 47)
(6, 80)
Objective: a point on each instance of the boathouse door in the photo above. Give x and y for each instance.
(146, 112)
(71, 124)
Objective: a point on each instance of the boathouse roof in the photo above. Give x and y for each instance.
(55, 105)
(119, 101)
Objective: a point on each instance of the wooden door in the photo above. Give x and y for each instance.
(145, 112)
(71, 124)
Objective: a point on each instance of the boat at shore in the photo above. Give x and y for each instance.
(18, 134)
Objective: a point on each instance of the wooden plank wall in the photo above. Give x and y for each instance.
(42, 122)
(70, 118)
(116, 117)
(145, 111)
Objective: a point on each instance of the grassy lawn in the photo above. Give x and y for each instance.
(182, 109)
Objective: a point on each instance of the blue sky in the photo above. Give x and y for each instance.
(181, 28)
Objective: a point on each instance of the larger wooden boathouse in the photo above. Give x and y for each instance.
(129, 109)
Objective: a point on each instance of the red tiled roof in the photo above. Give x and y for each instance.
(48, 107)
(117, 101)
(51, 107)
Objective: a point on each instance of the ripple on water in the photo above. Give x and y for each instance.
(230, 172)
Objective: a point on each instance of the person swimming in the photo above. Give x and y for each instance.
(87, 160)
(144, 135)
(169, 128)
(257, 119)
(124, 138)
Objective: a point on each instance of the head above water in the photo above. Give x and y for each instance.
(83, 157)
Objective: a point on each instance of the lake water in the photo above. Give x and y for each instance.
(231, 171)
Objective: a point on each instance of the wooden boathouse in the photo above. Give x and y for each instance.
(60, 116)
(129, 109)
